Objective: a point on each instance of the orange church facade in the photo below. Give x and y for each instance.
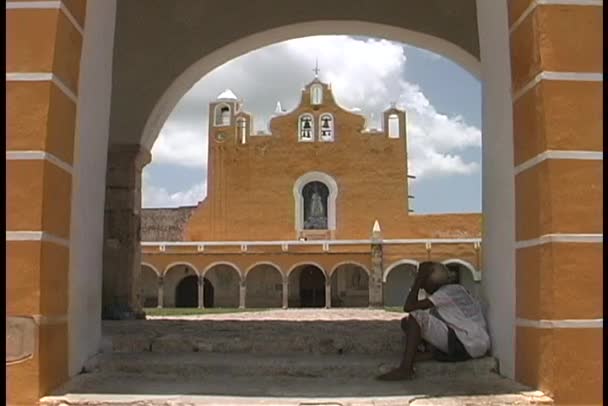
(319, 194)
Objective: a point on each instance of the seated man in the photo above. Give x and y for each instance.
(450, 320)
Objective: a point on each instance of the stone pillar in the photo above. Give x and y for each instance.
(328, 293)
(242, 294)
(122, 248)
(285, 293)
(375, 279)
(201, 292)
(161, 292)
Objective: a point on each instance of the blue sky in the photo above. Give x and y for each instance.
(443, 102)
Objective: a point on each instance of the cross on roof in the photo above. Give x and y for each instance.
(316, 69)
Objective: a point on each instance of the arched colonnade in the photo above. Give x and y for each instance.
(266, 284)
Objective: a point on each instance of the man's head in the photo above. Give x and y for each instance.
(437, 275)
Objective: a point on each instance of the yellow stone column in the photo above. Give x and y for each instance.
(43, 49)
(556, 65)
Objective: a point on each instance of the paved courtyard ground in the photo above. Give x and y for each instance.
(293, 357)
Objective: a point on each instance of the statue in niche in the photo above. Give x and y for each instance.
(315, 206)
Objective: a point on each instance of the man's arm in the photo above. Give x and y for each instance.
(411, 302)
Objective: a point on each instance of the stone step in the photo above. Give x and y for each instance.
(261, 337)
(220, 389)
(318, 366)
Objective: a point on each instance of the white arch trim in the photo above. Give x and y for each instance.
(230, 264)
(396, 264)
(172, 264)
(359, 264)
(331, 199)
(203, 66)
(272, 264)
(307, 263)
(152, 267)
(474, 272)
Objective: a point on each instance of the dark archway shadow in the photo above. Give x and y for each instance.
(312, 287)
(186, 292)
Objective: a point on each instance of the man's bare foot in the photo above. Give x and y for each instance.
(396, 374)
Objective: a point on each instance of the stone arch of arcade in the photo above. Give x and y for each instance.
(350, 285)
(523, 144)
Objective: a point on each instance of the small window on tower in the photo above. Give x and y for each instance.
(326, 125)
(222, 115)
(241, 125)
(393, 126)
(306, 128)
(316, 95)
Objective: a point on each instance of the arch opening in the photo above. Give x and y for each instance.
(398, 281)
(148, 287)
(264, 284)
(349, 286)
(225, 280)
(306, 286)
(207, 63)
(173, 275)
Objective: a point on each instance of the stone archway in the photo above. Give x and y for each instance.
(78, 328)
(264, 284)
(398, 279)
(349, 286)
(148, 287)
(226, 281)
(306, 286)
(186, 292)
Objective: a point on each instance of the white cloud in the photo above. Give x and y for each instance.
(157, 196)
(367, 74)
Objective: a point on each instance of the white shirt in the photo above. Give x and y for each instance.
(463, 314)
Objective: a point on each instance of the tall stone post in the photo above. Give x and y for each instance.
(242, 294)
(285, 293)
(201, 292)
(328, 293)
(375, 280)
(161, 292)
(122, 240)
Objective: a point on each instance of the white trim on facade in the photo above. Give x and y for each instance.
(42, 77)
(152, 267)
(36, 236)
(536, 3)
(38, 155)
(554, 154)
(339, 264)
(298, 186)
(332, 126)
(176, 263)
(572, 238)
(395, 264)
(272, 264)
(43, 320)
(312, 131)
(571, 323)
(474, 272)
(41, 5)
(229, 264)
(309, 263)
(312, 242)
(563, 76)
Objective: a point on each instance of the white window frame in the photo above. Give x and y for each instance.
(391, 117)
(314, 89)
(217, 118)
(312, 123)
(327, 139)
(299, 199)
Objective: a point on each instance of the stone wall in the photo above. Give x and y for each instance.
(164, 224)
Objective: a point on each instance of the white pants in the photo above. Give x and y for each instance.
(432, 329)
